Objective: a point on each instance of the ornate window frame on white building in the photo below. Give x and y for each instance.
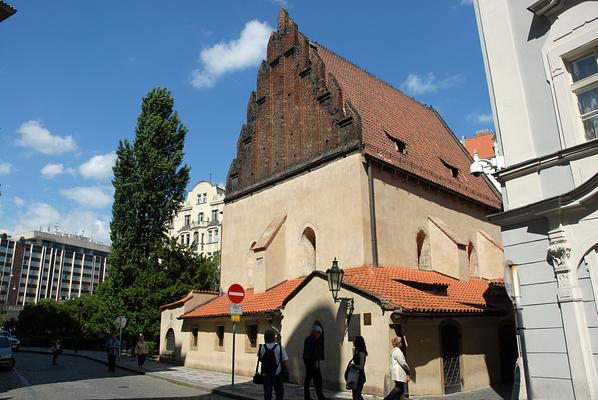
(559, 62)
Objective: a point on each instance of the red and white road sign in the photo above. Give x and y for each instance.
(236, 293)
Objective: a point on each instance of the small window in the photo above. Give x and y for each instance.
(210, 236)
(200, 217)
(220, 335)
(584, 74)
(199, 199)
(187, 220)
(454, 171)
(195, 237)
(214, 215)
(400, 145)
(252, 335)
(194, 335)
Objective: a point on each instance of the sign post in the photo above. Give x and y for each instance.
(236, 294)
(120, 323)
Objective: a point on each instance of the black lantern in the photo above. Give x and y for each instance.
(335, 278)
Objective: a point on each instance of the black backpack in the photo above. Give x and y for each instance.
(269, 364)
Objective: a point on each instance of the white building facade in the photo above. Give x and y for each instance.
(542, 70)
(198, 224)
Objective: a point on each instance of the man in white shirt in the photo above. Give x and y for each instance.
(274, 358)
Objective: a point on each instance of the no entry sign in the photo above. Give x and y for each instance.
(236, 293)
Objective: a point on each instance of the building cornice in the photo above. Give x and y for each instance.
(560, 157)
(574, 199)
(547, 7)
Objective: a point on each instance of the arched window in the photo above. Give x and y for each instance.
(308, 245)
(423, 250)
(472, 257)
(170, 342)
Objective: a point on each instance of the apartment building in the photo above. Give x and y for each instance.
(38, 265)
(198, 223)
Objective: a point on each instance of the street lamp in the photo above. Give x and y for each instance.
(79, 308)
(335, 280)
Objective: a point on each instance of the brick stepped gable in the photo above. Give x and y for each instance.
(312, 106)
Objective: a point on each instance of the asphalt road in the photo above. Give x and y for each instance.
(34, 377)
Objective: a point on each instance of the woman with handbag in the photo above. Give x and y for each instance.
(357, 364)
(399, 370)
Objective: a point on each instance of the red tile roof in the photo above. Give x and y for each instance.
(179, 302)
(254, 303)
(392, 284)
(386, 113)
(483, 143)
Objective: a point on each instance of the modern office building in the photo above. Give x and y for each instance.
(49, 265)
(541, 63)
(198, 223)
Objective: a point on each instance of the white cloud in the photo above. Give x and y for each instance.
(49, 171)
(5, 168)
(478, 118)
(38, 138)
(421, 84)
(98, 167)
(88, 196)
(19, 202)
(42, 215)
(246, 51)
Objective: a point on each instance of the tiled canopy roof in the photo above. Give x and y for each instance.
(416, 291)
(408, 289)
(388, 114)
(254, 303)
(179, 302)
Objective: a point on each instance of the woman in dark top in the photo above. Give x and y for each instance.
(360, 353)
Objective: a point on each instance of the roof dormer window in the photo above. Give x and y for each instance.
(400, 145)
(454, 171)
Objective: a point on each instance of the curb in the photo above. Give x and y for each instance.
(234, 395)
(129, 369)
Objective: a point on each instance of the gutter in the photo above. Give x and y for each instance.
(372, 215)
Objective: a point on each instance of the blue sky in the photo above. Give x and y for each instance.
(72, 75)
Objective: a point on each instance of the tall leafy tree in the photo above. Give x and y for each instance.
(149, 186)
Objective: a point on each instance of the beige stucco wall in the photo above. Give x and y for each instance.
(402, 209)
(314, 302)
(169, 319)
(328, 199)
(208, 355)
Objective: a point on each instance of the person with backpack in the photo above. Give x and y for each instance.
(274, 358)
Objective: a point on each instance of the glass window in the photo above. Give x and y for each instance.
(252, 335)
(220, 335)
(200, 217)
(214, 215)
(588, 108)
(584, 67)
(584, 73)
(187, 220)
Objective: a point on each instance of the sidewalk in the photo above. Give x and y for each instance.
(244, 389)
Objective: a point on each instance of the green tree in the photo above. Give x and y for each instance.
(149, 186)
(148, 269)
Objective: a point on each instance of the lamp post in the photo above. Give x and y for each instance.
(335, 280)
(79, 308)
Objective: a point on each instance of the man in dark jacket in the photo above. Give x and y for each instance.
(312, 354)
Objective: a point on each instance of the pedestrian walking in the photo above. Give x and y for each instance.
(312, 355)
(141, 351)
(56, 350)
(360, 354)
(399, 371)
(274, 358)
(113, 348)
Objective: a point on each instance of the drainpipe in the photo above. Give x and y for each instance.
(372, 215)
